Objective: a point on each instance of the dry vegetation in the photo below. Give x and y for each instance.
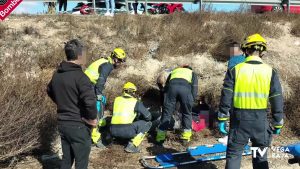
(29, 54)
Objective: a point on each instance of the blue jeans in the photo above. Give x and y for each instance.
(110, 3)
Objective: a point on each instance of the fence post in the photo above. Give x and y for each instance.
(146, 7)
(200, 5)
(127, 8)
(289, 5)
(94, 6)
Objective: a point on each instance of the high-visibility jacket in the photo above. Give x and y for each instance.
(182, 73)
(123, 110)
(252, 85)
(93, 70)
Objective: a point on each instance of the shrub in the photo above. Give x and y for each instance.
(237, 28)
(292, 107)
(2, 30)
(295, 30)
(51, 58)
(29, 30)
(24, 112)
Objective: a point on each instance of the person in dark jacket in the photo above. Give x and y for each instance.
(182, 86)
(98, 73)
(248, 87)
(74, 96)
(130, 119)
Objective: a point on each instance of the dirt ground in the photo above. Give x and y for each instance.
(114, 156)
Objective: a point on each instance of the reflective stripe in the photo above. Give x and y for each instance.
(182, 73)
(137, 140)
(278, 127)
(228, 89)
(256, 95)
(123, 110)
(275, 95)
(252, 84)
(93, 70)
(223, 119)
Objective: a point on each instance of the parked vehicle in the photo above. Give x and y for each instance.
(164, 8)
(278, 8)
(86, 8)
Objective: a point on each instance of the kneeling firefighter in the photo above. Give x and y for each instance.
(130, 119)
(98, 73)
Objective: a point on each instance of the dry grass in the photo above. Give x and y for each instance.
(29, 30)
(25, 124)
(2, 31)
(237, 28)
(292, 107)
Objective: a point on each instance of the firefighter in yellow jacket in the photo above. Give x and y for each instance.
(130, 119)
(182, 86)
(98, 73)
(248, 87)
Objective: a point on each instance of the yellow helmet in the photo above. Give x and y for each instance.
(119, 54)
(129, 87)
(255, 41)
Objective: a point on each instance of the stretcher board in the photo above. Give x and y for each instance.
(193, 155)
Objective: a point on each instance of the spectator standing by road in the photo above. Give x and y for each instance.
(110, 7)
(61, 4)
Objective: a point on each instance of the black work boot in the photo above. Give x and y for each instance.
(130, 148)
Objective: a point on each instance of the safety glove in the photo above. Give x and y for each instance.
(101, 98)
(222, 127)
(277, 131)
(102, 122)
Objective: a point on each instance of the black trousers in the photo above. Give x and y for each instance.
(63, 3)
(244, 126)
(129, 131)
(177, 92)
(76, 145)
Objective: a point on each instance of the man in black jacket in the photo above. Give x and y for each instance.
(74, 96)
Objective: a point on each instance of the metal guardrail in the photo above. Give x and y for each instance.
(271, 2)
(250, 2)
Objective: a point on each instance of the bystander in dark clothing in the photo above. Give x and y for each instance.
(135, 5)
(74, 96)
(63, 3)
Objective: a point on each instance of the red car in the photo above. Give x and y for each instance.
(164, 8)
(270, 8)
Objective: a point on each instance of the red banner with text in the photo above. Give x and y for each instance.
(7, 6)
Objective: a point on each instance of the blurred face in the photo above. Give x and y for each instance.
(82, 58)
(235, 50)
(117, 62)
